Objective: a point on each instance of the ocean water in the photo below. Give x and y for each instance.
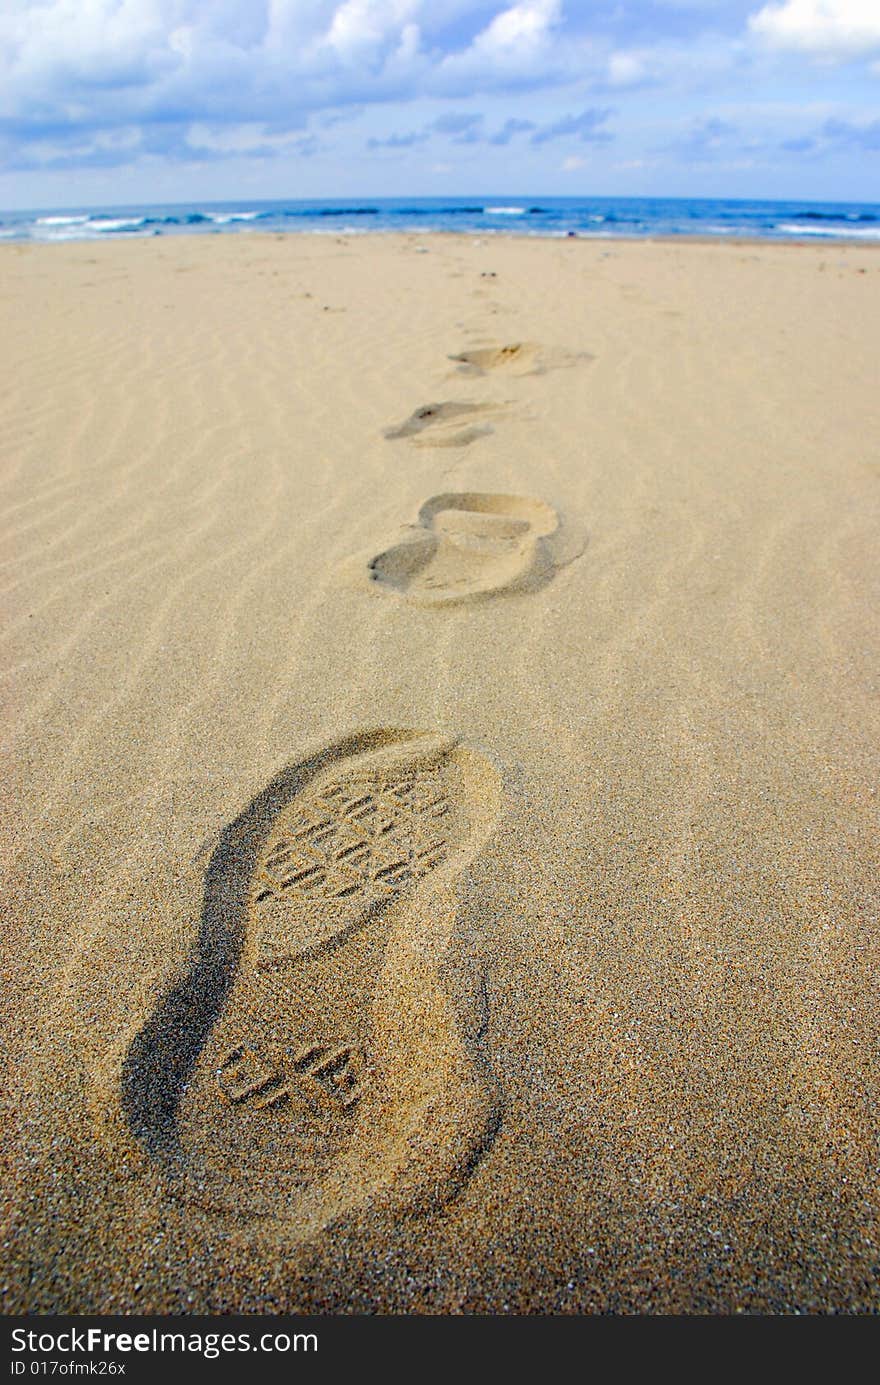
(540, 216)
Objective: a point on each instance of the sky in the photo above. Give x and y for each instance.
(110, 102)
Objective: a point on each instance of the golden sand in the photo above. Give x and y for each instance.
(441, 747)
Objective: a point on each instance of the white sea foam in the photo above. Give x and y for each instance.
(114, 223)
(61, 220)
(505, 211)
(844, 232)
(221, 218)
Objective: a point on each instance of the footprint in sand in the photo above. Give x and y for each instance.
(312, 1062)
(517, 358)
(444, 421)
(470, 545)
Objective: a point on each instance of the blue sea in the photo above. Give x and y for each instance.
(540, 216)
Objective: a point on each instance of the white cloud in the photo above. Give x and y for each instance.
(523, 44)
(573, 163)
(523, 26)
(408, 47)
(362, 26)
(625, 70)
(824, 28)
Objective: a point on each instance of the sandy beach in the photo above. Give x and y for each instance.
(441, 745)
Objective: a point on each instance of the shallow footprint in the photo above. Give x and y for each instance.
(470, 545)
(443, 419)
(311, 1062)
(519, 358)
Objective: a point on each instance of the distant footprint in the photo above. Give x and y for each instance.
(444, 421)
(312, 1062)
(470, 545)
(519, 358)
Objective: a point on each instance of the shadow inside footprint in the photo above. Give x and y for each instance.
(293, 1071)
(483, 359)
(439, 417)
(470, 545)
